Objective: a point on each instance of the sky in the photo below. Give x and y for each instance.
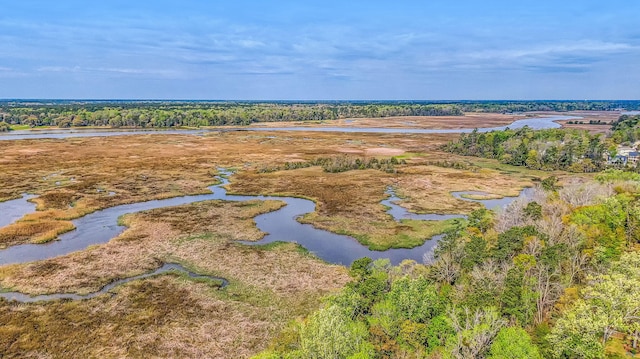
(320, 50)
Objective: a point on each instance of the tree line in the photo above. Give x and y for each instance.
(195, 114)
(551, 149)
(552, 276)
(218, 113)
(559, 106)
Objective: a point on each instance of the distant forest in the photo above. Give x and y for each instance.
(64, 113)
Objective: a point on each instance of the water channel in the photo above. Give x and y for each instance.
(280, 225)
(166, 268)
(536, 123)
(13, 210)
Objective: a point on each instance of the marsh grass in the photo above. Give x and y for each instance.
(40, 231)
(349, 202)
(170, 315)
(76, 176)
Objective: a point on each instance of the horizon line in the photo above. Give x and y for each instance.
(307, 100)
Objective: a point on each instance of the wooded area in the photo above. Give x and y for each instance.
(196, 114)
(219, 113)
(552, 149)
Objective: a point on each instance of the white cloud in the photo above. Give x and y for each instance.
(117, 70)
(580, 47)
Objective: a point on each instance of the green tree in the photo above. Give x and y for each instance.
(578, 333)
(481, 219)
(475, 252)
(550, 183)
(330, 333)
(513, 343)
(533, 210)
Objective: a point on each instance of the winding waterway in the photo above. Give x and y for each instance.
(167, 267)
(537, 123)
(400, 213)
(280, 225)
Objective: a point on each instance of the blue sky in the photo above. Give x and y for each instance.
(305, 50)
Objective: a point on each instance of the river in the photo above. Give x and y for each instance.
(537, 123)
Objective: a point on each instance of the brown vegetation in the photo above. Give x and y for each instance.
(469, 120)
(80, 175)
(168, 316)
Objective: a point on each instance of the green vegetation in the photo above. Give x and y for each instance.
(591, 122)
(195, 114)
(4, 127)
(613, 175)
(553, 149)
(626, 129)
(610, 305)
(340, 164)
(171, 315)
(219, 113)
(556, 277)
(561, 106)
(519, 284)
(575, 151)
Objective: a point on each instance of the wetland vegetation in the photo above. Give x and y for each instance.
(554, 275)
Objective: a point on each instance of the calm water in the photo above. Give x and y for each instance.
(493, 204)
(11, 211)
(281, 225)
(535, 123)
(72, 133)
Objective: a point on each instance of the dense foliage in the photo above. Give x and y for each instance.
(552, 149)
(193, 114)
(553, 276)
(562, 106)
(219, 113)
(626, 129)
(340, 164)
